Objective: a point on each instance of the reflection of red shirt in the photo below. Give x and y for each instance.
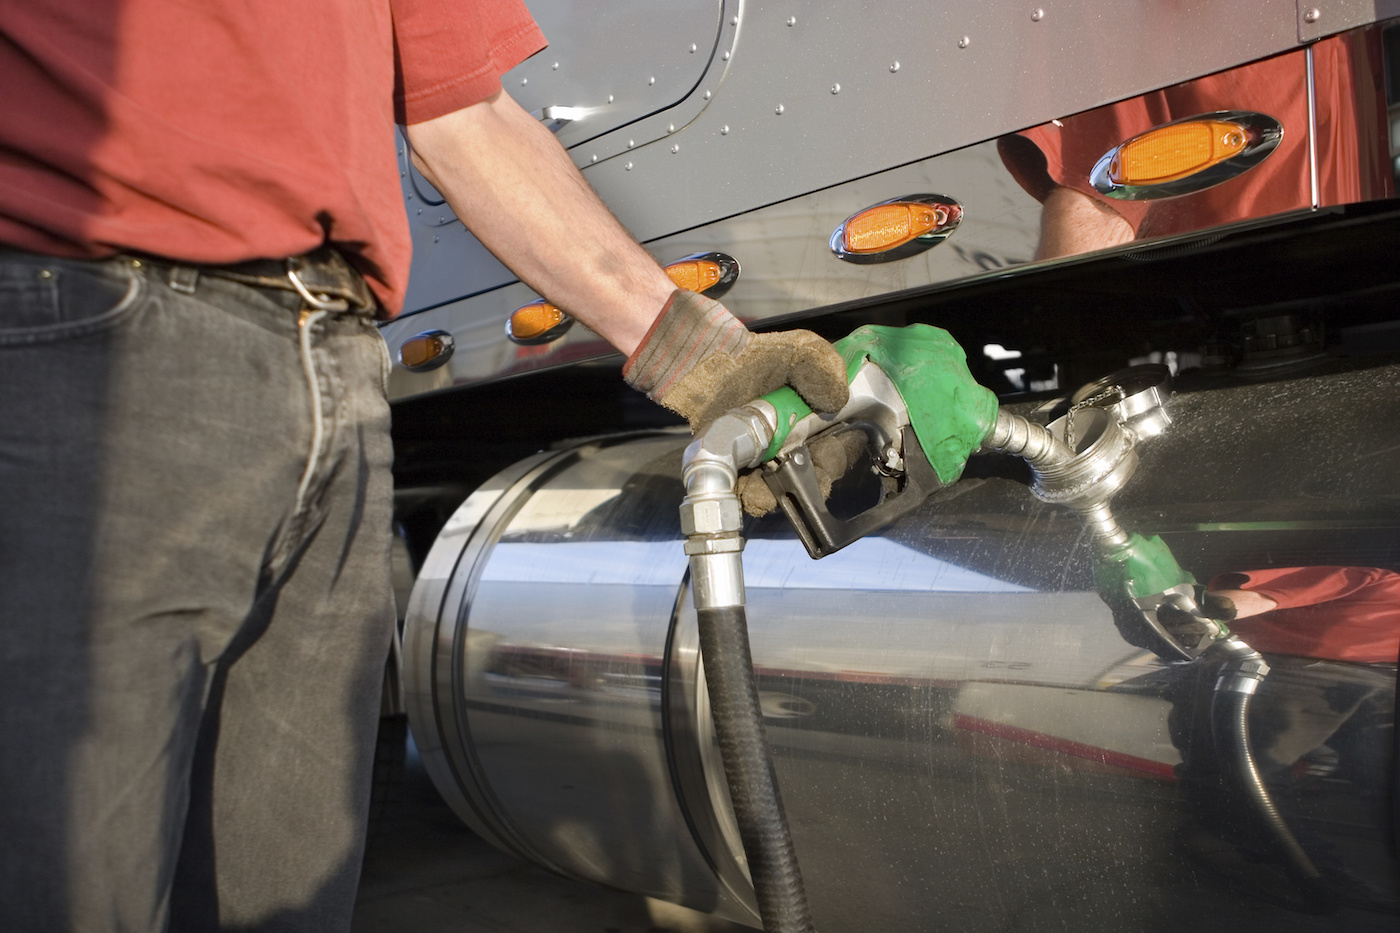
(1353, 165)
(1338, 613)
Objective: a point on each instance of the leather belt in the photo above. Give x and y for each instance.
(323, 278)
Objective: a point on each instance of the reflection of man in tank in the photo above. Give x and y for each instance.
(1331, 636)
(1052, 161)
(1292, 614)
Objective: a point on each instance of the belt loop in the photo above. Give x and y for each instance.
(184, 279)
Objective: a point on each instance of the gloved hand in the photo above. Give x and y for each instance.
(700, 361)
(833, 455)
(1188, 629)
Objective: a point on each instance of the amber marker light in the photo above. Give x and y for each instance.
(696, 275)
(712, 274)
(1186, 156)
(426, 351)
(890, 225)
(896, 228)
(1176, 151)
(539, 322)
(709, 273)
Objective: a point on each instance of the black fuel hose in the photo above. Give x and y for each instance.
(1230, 714)
(748, 769)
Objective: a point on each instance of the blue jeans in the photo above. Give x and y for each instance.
(194, 600)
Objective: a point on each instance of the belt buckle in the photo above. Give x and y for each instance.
(321, 302)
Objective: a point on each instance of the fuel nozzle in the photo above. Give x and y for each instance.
(922, 414)
(1081, 460)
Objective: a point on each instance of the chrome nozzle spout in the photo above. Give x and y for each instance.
(1014, 435)
(1083, 477)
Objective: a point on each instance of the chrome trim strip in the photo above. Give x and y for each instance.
(1312, 132)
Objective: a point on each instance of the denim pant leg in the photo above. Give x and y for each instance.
(154, 449)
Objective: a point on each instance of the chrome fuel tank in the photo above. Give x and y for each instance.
(964, 736)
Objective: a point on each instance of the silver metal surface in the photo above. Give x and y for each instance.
(781, 237)
(1262, 135)
(963, 737)
(1316, 20)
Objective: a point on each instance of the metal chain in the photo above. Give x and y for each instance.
(1112, 392)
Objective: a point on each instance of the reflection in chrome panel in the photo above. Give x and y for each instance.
(1023, 197)
(966, 736)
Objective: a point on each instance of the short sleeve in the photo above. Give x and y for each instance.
(450, 54)
(1294, 587)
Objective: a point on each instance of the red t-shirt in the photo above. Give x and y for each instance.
(1339, 613)
(216, 132)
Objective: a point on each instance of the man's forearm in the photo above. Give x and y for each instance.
(515, 188)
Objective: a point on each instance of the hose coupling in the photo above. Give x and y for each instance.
(1244, 668)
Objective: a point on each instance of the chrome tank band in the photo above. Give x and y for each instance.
(963, 738)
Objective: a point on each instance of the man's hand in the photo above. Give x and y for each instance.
(700, 361)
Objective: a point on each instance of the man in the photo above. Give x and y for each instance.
(200, 217)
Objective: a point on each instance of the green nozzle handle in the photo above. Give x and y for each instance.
(950, 412)
(1142, 567)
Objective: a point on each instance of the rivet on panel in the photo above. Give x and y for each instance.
(524, 81)
(135, 263)
(1037, 15)
(628, 166)
(593, 158)
(836, 89)
(556, 66)
(725, 56)
(420, 211)
(435, 237)
(964, 42)
(707, 95)
(1312, 16)
(693, 47)
(631, 143)
(894, 66)
(724, 130)
(45, 273)
(779, 110)
(734, 20)
(676, 148)
(670, 127)
(792, 20)
(651, 80)
(611, 98)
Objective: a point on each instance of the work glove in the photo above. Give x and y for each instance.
(700, 361)
(1186, 628)
(833, 456)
